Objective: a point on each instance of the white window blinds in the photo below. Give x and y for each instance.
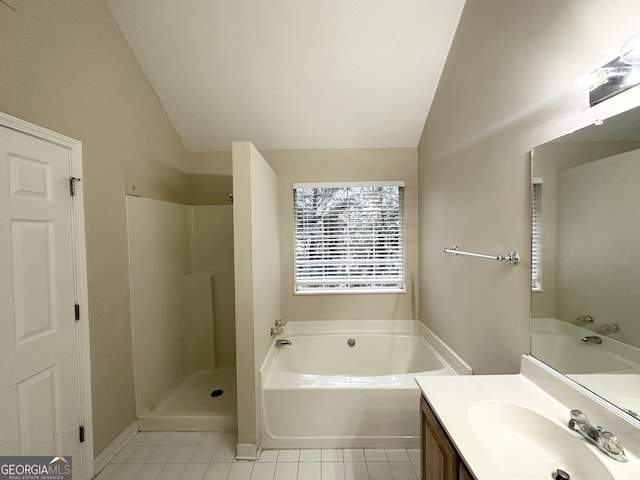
(536, 234)
(348, 237)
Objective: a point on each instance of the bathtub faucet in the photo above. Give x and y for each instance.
(277, 327)
(273, 331)
(281, 342)
(592, 339)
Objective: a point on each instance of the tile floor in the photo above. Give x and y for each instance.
(211, 456)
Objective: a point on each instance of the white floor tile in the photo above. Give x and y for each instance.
(150, 438)
(288, 455)
(353, 455)
(229, 437)
(375, 455)
(379, 471)
(194, 471)
(124, 453)
(270, 456)
(193, 438)
(211, 438)
(414, 454)
(162, 453)
(263, 471)
(332, 455)
(397, 455)
(286, 471)
(356, 470)
(211, 456)
(224, 453)
(309, 470)
(203, 454)
(107, 472)
(217, 471)
(182, 454)
(150, 471)
(127, 472)
(402, 471)
(141, 454)
(240, 471)
(311, 455)
(332, 471)
(174, 438)
(172, 471)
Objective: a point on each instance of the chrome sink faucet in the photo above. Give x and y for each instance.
(607, 442)
(592, 339)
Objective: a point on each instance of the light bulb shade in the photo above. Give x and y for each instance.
(630, 52)
(590, 78)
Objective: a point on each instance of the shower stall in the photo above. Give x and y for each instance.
(182, 308)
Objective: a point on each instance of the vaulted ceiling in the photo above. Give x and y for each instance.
(292, 74)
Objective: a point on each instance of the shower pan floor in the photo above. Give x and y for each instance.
(191, 406)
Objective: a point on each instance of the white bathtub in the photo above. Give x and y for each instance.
(610, 369)
(559, 345)
(321, 393)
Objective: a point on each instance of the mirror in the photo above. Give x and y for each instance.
(586, 250)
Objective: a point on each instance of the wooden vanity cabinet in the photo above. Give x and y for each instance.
(463, 473)
(439, 460)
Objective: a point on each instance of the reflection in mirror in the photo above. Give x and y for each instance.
(586, 255)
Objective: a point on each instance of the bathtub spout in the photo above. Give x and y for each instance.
(592, 339)
(282, 342)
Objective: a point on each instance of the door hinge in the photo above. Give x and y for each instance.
(77, 311)
(81, 433)
(72, 185)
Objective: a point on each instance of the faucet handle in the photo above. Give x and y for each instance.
(611, 443)
(609, 327)
(578, 417)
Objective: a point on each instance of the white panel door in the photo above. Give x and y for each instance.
(39, 389)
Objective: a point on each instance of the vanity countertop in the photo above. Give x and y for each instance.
(508, 426)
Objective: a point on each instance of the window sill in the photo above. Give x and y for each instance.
(372, 291)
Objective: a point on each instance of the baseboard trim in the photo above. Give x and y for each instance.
(248, 451)
(103, 459)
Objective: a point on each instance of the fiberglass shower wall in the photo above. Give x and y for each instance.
(182, 294)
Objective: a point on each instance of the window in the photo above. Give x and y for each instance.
(536, 234)
(348, 237)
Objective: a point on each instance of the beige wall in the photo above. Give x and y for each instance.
(257, 277)
(66, 67)
(504, 89)
(347, 165)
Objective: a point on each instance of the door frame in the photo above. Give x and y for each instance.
(80, 273)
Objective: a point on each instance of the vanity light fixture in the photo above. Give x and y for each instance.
(630, 53)
(613, 77)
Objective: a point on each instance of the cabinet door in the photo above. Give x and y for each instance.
(464, 474)
(439, 459)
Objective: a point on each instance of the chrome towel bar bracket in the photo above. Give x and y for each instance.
(513, 258)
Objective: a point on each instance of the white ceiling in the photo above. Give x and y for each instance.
(290, 74)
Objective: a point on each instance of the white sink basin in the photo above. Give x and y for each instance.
(530, 446)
